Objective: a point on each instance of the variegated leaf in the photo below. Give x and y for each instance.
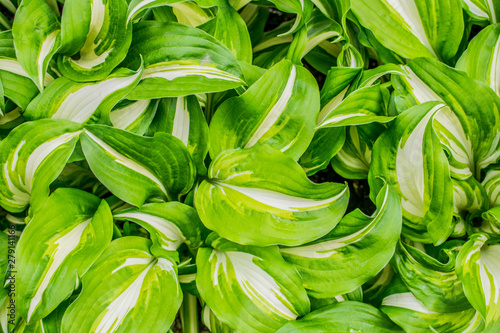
(17, 84)
(35, 47)
(491, 184)
(95, 38)
(470, 128)
(354, 159)
(410, 157)
(479, 270)
(469, 199)
(83, 102)
(251, 289)
(259, 196)
(158, 168)
(483, 10)
(318, 154)
(374, 289)
(175, 68)
(213, 323)
(350, 316)
(170, 224)
(481, 60)
(434, 283)
(135, 7)
(31, 157)
(407, 311)
(353, 252)
(408, 28)
(129, 289)
(363, 106)
(270, 112)
(183, 118)
(134, 116)
(62, 240)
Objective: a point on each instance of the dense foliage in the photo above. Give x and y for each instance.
(163, 163)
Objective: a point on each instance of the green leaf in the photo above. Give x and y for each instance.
(347, 316)
(31, 157)
(175, 68)
(482, 10)
(251, 289)
(35, 47)
(213, 323)
(16, 83)
(134, 116)
(231, 30)
(413, 28)
(433, 283)
(129, 289)
(270, 112)
(318, 154)
(136, 168)
(183, 118)
(408, 312)
(410, 157)
(363, 106)
(62, 240)
(480, 61)
(353, 252)
(135, 7)
(83, 102)
(170, 224)
(479, 271)
(259, 196)
(469, 131)
(107, 39)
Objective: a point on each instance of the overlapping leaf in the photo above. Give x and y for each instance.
(252, 289)
(260, 196)
(62, 240)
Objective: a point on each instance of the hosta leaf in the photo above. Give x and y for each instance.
(136, 168)
(411, 29)
(82, 102)
(129, 289)
(134, 116)
(259, 196)
(17, 84)
(318, 155)
(10, 120)
(409, 313)
(107, 38)
(183, 118)
(469, 198)
(35, 47)
(410, 157)
(353, 252)
(491, 184)
(271, 112)
(363, 106)
(481, 61)
(347, 316)
(231, 30)
(479, 270)
(170, 224)
(433, 283)
(31, 157)
(62, 240)
(135, 7)
(470, 131)
(493, 217)
(175, 68)
(252, 289)
(374, 289)
(483, 10)
(213, 323)
(318, 303)
(190, 13)
(354, 159)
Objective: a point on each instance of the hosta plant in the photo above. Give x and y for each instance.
(249, 166)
